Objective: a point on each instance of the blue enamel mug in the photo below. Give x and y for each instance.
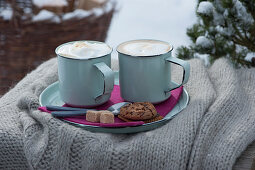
(148, 78)
(85, 82)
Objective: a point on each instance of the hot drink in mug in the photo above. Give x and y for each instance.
(85, 77)
(145, 70)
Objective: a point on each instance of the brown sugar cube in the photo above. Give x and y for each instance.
(93, 116)
(106, 117)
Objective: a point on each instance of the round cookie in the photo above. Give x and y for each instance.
(138, 111)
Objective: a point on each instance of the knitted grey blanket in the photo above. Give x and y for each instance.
(210, 133)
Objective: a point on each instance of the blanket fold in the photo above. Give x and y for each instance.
(211, 133)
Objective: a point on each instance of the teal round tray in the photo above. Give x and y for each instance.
(50, 96)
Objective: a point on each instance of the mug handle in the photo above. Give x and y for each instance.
(186, 70)
(108, 76)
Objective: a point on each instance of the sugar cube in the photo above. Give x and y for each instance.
(106, 117)
(93, 116)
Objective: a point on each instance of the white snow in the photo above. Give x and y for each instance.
(226, 13)
(218, 5)
(105, 9)
(220, 29)
(204, 57)
(46, 15)
(81, 13)
(204, 42)
(218, 18)
(228, 31)
(239, 48)
(6, 14)
(42, 3)
(108, 7)
(242, 14)
(205, 8)
(78, 13)
(249, 56)
(98, 11)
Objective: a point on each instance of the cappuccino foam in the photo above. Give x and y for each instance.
(84, 50)
(144, 47)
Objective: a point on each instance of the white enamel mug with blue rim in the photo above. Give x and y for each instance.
(85, 82)
(148, 78)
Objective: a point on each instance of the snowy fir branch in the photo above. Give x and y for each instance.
(225, 28)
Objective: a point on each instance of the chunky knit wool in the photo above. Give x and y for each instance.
(211, 133)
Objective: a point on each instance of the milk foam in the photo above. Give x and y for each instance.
(144, 47)
(84, 50)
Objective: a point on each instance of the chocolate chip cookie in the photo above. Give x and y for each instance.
(138, 111)
(158, 117)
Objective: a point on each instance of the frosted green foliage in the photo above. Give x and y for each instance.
(225, 28)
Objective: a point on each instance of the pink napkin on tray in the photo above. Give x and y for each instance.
(162, 108)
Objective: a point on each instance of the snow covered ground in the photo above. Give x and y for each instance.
(152, 19)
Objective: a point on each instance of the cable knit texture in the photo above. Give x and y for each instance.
(211, 133)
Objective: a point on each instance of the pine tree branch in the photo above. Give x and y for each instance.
(237, 31)
(242, 62)
(248, 44)
(246, 37)
(250, 7)
(242, 40)
(235, 46)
